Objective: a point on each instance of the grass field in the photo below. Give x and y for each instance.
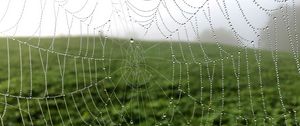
(106, 81)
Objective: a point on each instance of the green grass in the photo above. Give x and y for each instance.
(115, 82)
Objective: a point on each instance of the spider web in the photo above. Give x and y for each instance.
(94, 62)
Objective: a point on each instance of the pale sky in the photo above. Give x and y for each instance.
(121, 17)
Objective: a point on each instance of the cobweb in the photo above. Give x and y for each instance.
(132, 62)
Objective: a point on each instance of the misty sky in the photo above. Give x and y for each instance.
(123, 18)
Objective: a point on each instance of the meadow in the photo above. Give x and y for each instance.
(94, 80)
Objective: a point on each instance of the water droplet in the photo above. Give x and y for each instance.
(131, 122)
(131, 40)
(188, 123)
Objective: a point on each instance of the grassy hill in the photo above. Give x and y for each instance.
(107, 81)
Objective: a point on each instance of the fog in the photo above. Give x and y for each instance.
(283, 30)
(185, 20)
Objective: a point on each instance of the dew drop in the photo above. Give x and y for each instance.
(131, 122)
(131, 40)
